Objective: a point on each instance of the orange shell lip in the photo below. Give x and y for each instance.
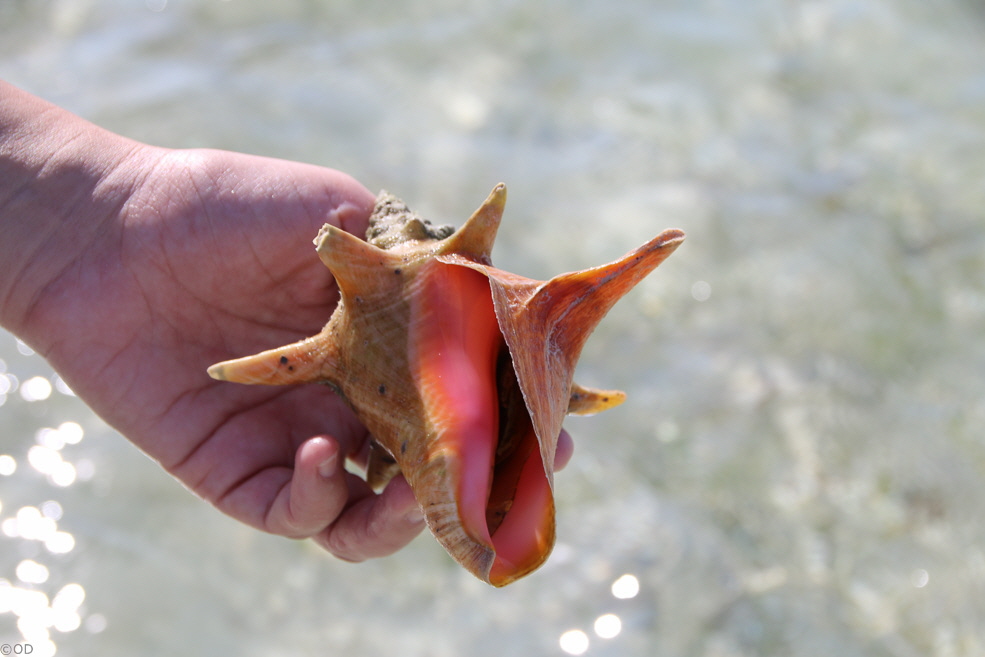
(458, 354)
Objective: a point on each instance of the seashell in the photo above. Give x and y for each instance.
(461, 372)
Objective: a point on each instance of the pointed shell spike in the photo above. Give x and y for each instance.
(475, 238)
(574, 303)
(589, 401)
(353, 262)
(308, 361)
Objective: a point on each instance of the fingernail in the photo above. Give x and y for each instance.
(326, 469)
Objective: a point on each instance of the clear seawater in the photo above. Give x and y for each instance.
(800, 467)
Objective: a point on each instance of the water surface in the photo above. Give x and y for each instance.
(800, 464)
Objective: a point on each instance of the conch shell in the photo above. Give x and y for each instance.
(461, 372)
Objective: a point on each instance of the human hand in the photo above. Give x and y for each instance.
(209, 258)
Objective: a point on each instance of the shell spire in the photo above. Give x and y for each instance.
(461, 372)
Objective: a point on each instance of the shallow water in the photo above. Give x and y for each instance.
(799, 468)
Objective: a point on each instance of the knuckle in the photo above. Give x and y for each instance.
(341, 548)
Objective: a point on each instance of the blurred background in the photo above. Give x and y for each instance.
(799, 467)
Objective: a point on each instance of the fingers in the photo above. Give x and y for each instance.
(316, 494)
(565, 448)
(375, 525)
(339, 510)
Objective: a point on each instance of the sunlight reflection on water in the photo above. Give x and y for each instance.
(606, 626)
(574, 642)
(626, 587)
(40, 603)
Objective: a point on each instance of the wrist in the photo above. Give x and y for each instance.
(63, 182)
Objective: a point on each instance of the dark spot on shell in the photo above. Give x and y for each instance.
(397, 271)
(403, 447)
(382, 389)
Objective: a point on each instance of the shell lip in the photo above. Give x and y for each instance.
(484, 489)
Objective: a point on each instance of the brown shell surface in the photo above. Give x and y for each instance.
(418, 301)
